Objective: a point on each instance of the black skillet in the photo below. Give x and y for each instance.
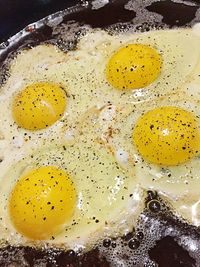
(14, 16)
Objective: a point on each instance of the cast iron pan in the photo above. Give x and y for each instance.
(14, 16)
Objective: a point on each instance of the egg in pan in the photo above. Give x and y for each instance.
(86, 130)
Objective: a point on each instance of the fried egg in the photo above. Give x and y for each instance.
(33, 110)
(67, 196)
(159, 142)
(142, 65)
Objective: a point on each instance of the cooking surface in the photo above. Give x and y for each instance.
(15, 15)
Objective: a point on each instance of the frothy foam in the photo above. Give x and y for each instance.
(96, 4)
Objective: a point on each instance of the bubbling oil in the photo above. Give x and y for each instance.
(157, 222)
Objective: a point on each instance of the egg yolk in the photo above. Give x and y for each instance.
(39, 105)
(133, 66)
(42, 201)
(167, 136)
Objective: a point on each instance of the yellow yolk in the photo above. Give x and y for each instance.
(167, 136)
(39, 105)
(133, 66)
(42, 201)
